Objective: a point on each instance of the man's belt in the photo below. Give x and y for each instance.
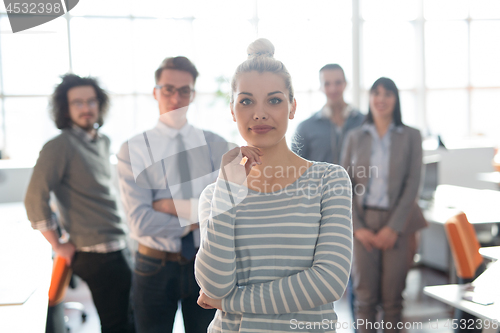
(381, 209)
(162, 255)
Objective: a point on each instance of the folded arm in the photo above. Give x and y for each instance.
(137, 200)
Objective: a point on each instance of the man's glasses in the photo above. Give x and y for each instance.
(168, 90)
(79, 104)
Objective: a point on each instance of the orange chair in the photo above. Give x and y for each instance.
(56, 319)
(61, 274)
(465, 250)
(464, 246)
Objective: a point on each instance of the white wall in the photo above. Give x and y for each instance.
(14, 179)
(461, 166)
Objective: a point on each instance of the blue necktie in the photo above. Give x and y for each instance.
(188, 250)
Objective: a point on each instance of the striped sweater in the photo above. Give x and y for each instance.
(277, 260)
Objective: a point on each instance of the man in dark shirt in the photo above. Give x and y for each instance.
(75, 167)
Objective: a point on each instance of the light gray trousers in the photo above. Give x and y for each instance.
(379, 277)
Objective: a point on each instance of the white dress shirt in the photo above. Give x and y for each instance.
(378, 184)
(147, 168)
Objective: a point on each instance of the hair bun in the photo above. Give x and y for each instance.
(260, 47)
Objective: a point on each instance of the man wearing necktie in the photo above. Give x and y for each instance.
(162, 173)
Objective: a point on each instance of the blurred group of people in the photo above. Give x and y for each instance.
(197, 208)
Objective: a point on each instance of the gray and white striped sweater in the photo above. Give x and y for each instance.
(277, 259)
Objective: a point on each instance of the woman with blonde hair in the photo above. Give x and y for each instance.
(276, 229)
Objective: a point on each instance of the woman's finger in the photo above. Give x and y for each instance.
(252, 154)
(202, 304)
(236, 154)
(251, 159)
(254, 150)
(206, 306)
(231, 155)
(250, 164)
(367, 246)
(246, 151)
(257, 153)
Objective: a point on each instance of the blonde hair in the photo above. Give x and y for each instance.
(261, 59)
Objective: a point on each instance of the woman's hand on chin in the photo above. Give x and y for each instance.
(237, 163)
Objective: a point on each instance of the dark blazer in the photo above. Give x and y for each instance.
(405, 167)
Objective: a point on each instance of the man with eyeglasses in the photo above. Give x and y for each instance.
(155, 169)
(75, 166)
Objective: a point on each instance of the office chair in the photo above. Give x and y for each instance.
(61, 276)
(468, 261)
(464, 246)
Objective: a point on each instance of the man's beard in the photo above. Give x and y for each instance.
(87, 126)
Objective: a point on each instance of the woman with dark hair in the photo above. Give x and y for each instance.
(384, 159)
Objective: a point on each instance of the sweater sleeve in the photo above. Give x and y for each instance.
(137, 202)
(47, 174)
(347, 163)
(215, 265)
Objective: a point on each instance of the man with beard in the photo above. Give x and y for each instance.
(75, 167)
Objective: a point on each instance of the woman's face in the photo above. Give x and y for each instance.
(382, 103)
(261, 108)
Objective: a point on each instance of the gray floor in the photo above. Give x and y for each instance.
(421, 313)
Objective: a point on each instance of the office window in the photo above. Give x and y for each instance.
(442, 54)
(27, 121)
(446, 54)
(462, 68)
(389, 49)
(31, 65)
(485, 118)
(102, 48)
(222, 41)
(447, 113)
(446, 9)
(152, 41)
(485, 54)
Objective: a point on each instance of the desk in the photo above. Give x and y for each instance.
(492, 252)
(485, 284)
(482, 207)
(25, 259)
(490, 177)
(451, 294)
